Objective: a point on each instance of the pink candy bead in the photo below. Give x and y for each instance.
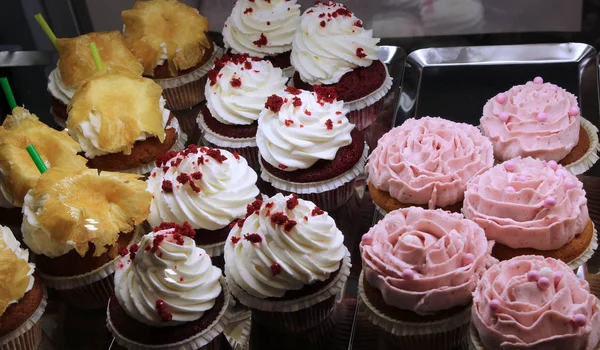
(543, 283)
(509, 165)
(533, 275)
(367, 238)
(569, 184)
(538, 80)
(503, 116)
(408, 274)
(549, 202)
(510, 189)
(580, 320)
(574, 111)
(501, 98)
(468, 259)
(494, 305)
(553, 165)
(557, 276)
(541, 117)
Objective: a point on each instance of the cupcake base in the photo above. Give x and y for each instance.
(386, 203)
(585, 154)
(574, 253)
(28, 335)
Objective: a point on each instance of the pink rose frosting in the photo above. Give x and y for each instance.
(530, 302)
(429, 161)
(425, 260)
(537, 119)
(527, 203)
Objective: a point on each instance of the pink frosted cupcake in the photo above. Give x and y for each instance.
(534, 303)
(540, 120)
(419, 270)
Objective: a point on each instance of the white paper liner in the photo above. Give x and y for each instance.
(588, 253)
(27, 325)
(401, 328)
(220, 140)
(238, 333)
(373, 96)
(305, 302)
(289, 72)
(169, 83)
(197, 341)
(320, 186)
(590, 157)
(214, 249)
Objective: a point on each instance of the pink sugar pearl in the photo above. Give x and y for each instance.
(503, 116)
(468, 259)
(509, 165)
(510, 189)
(541, 117)
(494, 305)
(574, 111)
(569, 184)
(543, 283)
(549, 202)
(538, 80)
(501, 98)
(408, 274)
(557, 276)
(553, 165)
(533, 275)
(580, 320)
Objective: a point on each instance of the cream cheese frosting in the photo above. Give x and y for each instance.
(261, 28)
(425, 261)
(283, 245)
(429, 161)
(536, 119)
(527, 203)
(168, 281)
(239, 87)
(298, 128)
(329, 43)
(530, 302)
(58, 88)
(209, 188)
(16, 274)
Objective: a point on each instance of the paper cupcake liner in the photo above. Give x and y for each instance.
(205, 340)
(329, 200)
(29, 335)
(175, 82)
(289, 72)
(373, 97)
(220, 140)
(590, 157)
(588, 253)
(238, 333)
(365, 117)
(298, 321)
(402, 329)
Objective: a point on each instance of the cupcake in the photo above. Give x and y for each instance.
(236, 92)
(76, 65)
(286, 262)
(532, 207)
(332, 48)
(76, 222)
(169, 39)
(121, 123)
(419, 270)
(540, 120)
(530, 302)
(452, 17)
(168, 295)
(426, 162)
(208, 188)
(263, 29)
(18, 173)
(307, 146)
(22, 296)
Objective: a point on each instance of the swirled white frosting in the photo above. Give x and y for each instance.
(297, 136)
(225, 189)
(181, 275)
(87, 134)
(329, 43)
(266, 259)
(276, 20)
(163, 55)
(11, 242)
(57, 87)
(241, 105)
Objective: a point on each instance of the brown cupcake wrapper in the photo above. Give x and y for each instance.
(365, 117)
(29, 335)
(357, 106)
(590, 158)
(329, 200)
(587, 253)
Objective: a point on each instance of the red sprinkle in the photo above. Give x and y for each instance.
(288, 122)
(236, 155)
(307, 112)
(156, 242)
(195, 187)
(164, 314)
(325, 94)
(184, 229)
(262, 41)
(360, 52)
(321, 15)
(253, 237)
(289, 225)
(183, 178)
(212, 76)
(235, 239)
(216, 155)
(197, 175)
(305, 218)
(358, 23)
(329, 124)
(297, 102)
(301, 125)
(190, 149)
(248, 10)
(339, 122)
(323, 24)
(123, 251)
(167, 186)
(236, 82)
(292, 202)
(201, 160)
(268, 23)
(275, 269)
(165, 157)
(283, 166)
(240, 222)
(132, 250)
(180, 279)
(338, 112)
(253, 207)
(274, 103)
(269, 205)
(279, 218)
(248, 65)
(292, 90)
(316, 211)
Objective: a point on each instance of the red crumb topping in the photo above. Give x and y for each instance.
(167, 186)
(305, 218)
(201, 160)
(301, 125)
(321, 15)
(123, 251)
(316, 211)
(288, 122)
(216, 155)
(190, 149)
(175, 162)
(262, 41)
(253, 237)
(212, 76)
(289, 225)
(236, 82)
(195, 187)
(339, 121)
(292, 90)
(323, 24)
(240, 222)
(307, 112)
(154, 174)
(184, 229)
(132, 250)
(164, 314)
(165, 157)
(147, 248)
(279, 218)
(297, 102)
(183, 178)
(253, 207)
(310, 11)
(270, 205)
(248, 10)
(275, 269)
(342, 11)
(292, 202)
(329, 124)
(248, 65)
(180, 279)
(236, 155)
(325, 94)
(358, 24)
(197, 175)
(360, 52)
(283, 166)
(235, 239)
(156, 242)
(178, 239)
(338, 112)
(274, 103)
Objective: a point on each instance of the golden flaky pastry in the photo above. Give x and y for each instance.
(77, 65)
(56, 148)
(180, 27)
(72, 209)
(15, 271)
(126, 106)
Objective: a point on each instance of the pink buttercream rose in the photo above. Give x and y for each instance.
(539, 120)
(529, 303)
(425, 261)
(527, 203)
(429, 161)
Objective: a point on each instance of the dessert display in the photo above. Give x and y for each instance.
(236, 91)
(532, 302)
(22, 296)
(76, 222)
(76, 65)
(452, 17)
(121, 123)
(540, 120)
(419, 270)
(169, 39)
(207, 188)
(263, 29)
(168, 295)
(308, 147)
(18, 173)
(286, 261)
(532, 207)
(332, 48)
(426, 162)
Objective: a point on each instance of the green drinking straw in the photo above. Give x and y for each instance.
(39, 163)
(10, 98)
(96, 56)
(46, 28)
